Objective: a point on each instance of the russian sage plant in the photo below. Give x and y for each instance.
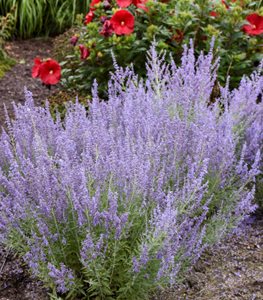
(246, 107)
(116, 202)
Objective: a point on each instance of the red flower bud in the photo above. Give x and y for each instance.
(107, 29)
(74, 40)
(141, 4)
(84, 52)
(124, 3)
(93, 3)
(89, 17)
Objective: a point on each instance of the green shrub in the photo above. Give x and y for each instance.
(5, 63)
(171, 24)
(6, 31)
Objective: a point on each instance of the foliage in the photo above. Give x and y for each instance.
(38, 17)
(7, 26)
(5, 63)
(62, 45)
(6, 31)
(170, 23)
(115, 203)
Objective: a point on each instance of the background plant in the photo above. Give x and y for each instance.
(6, 30)
(117, 202)
(170, 23)
(42, 17)
(247, 111)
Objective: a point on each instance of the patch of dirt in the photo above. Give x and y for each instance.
(15, 281)
(13, 83)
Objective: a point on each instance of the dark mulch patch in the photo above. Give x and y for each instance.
(15, 281)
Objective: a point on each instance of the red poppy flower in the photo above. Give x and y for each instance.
(50, 72)
(36, 67)
(122, 22)
(89, 17)
(256, 24)
(93, 3)
(84, 52)
(141, 4)
(124, 3)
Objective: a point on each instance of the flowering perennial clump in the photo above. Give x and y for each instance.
(118, 201)
(128, 27)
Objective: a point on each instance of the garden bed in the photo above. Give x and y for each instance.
(231, 270)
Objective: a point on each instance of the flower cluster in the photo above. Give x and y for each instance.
(49, 71)
(127, 28)
(120, 23)
(116, 201)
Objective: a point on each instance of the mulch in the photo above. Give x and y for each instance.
(13, 83)
(231, 270)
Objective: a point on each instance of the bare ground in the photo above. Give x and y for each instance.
(13, 83)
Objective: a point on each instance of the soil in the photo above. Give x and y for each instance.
(13, 83)
(232, 270)
(15, 280)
